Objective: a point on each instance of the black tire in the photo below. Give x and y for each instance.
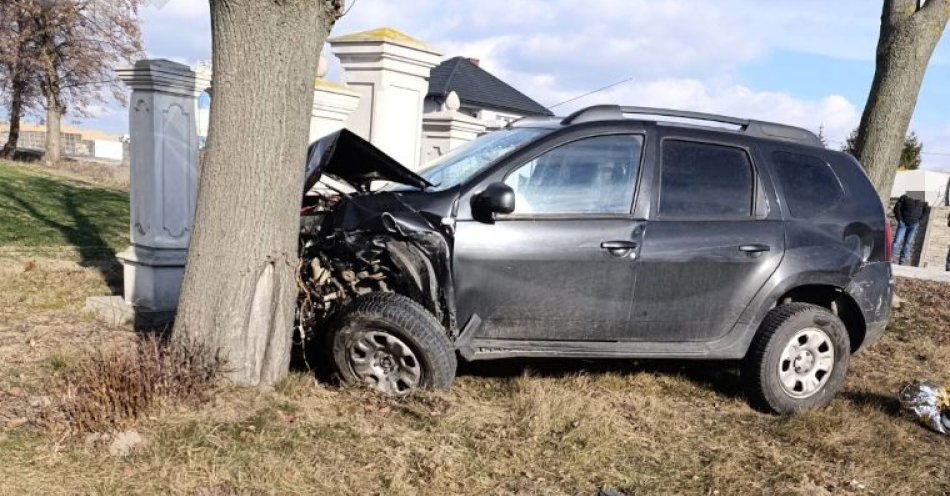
(763, 368)
(390, 320)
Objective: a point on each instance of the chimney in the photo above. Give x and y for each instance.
(474, 60)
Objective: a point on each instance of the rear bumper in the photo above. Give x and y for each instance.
(873, 332)
(873, 290)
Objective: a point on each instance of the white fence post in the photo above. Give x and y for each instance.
(390, 72)
(333, 104)
(448, 129)
(164, 177)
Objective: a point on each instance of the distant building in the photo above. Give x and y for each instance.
(482, 95)
(930, 186)
(931, 247)
(74, 141)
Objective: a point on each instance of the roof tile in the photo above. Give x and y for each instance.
(476, 86)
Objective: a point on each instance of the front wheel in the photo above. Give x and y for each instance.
(798, 359)
(392, 344)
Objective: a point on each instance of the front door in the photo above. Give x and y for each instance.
(562, 265)
(710, 245)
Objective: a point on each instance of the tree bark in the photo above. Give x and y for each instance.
(54, 113)
(51, 87)
(239, 291)
(909, 33)
(16, 111)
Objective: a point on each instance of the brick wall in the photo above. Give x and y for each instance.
(71, 144)
(936, 243)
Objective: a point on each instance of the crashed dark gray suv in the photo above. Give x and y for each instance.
(618, 232)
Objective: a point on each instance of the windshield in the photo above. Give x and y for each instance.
(464, 162)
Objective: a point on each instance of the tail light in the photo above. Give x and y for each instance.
(887, 239)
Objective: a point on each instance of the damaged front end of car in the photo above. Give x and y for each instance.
(357, 242)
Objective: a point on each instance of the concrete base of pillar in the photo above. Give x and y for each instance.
(153, 277)
(113, 310)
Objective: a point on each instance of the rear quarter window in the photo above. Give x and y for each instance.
(810, 185)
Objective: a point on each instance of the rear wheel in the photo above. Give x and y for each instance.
(798, 359)
(392, 344)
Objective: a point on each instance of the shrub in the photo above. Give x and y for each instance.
(110, 388)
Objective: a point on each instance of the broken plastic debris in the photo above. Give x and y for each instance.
(929, 402)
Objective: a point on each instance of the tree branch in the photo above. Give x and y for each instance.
(936, 10)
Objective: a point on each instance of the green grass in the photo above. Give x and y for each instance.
(38, 209)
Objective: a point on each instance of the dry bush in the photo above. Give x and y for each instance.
(104, 174)
(110, 388)
(109, 175)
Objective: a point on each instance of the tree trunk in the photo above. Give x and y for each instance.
(18, 87)
(51, 88)
(909, 33)
(54, 112)
(239, 291)
(16, 110)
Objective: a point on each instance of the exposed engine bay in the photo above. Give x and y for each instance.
(360, 242)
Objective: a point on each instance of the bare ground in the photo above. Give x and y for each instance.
(505, 428)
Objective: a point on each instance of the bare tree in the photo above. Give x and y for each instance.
(78, 44)
(910, 29)
(18, 69)
(239, 289)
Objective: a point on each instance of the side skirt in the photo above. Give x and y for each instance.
(488, 349)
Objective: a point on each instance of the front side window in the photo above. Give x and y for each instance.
(589, 176)
(705, 181)
(465, 162)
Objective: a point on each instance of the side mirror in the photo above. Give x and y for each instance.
(496, 198)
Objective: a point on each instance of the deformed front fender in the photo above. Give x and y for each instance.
(419, 250)
(424, 259)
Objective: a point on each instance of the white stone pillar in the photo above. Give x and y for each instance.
(333, 104)
(390, 72)
(448, 129)
(164, 176)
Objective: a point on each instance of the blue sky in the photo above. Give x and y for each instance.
(804, 62)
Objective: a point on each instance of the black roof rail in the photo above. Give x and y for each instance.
(594, 113)
(529, 120)
(749, 127)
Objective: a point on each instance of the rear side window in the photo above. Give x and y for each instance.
(810, 185)
(704, 181)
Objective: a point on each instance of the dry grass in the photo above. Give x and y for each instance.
(506, 428)
(110, 389)
(89, 172)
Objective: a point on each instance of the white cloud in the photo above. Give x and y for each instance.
(841, 28)
(834, 113)
(180, 30)
(681, 53)
(179, 9)
(936, 141)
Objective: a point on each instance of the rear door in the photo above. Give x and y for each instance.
(711, 243)
(561, 266)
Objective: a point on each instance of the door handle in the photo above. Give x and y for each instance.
(754, 248)
(619, 248)
(618, 245)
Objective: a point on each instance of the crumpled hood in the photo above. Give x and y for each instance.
(355, 161)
